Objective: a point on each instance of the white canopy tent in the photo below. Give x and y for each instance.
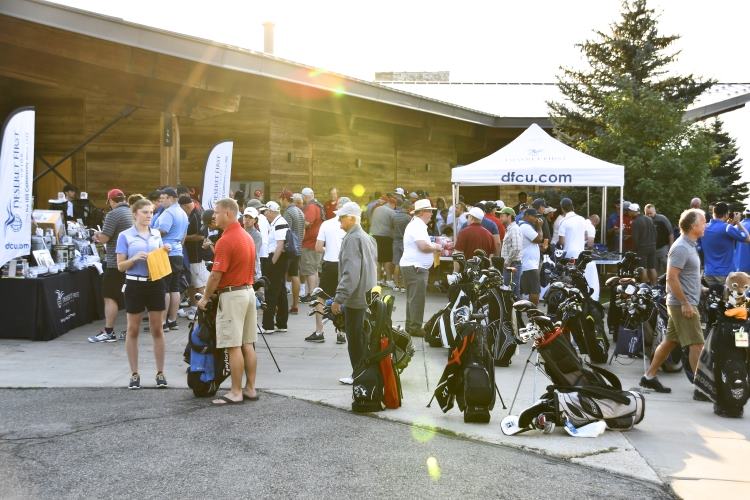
(535, 158)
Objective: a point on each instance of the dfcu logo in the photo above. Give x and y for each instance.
(13, 220)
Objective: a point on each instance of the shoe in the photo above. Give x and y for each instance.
(340, 338)
(181, 313)
(306, 299)
(281, 330)
(135, 381)
(161, 380)
(390, 284)
(699, 396)
(192, 313)
(122, 335)
(103, 336)
(654, 384)
(171, 325)
(294, 310)
(184, 303)
(346, 380)
(402, 289)
(316, 337)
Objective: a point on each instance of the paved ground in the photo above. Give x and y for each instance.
(680, 442)
(115, 443)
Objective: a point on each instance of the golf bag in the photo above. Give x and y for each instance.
(629, 342)
(620, 410)
(440, 329)
(566, 368)
(501, 316)
(209, 365)
(723, 368)
(469, 376)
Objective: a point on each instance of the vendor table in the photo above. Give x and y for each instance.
(47, 307)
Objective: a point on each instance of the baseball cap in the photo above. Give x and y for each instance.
(625, 205)
(548, 210)
(285, 195)
(531, 212)
(254, 202)
(351, 208)
(539, 202)
(634, 207)
(207, 216)
(273, 206)
(508, 211)
(114, 193)
(399, 191)
(476, 212)
(499, 204)
(307, 192)
(252, 212)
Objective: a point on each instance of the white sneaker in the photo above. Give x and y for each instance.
(302, 290)
(390, 284)
(346, 380)
(181, 313)
(192, 313)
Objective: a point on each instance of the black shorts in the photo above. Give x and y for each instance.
(385, 248)
(112, 282)
(329, 278)
(293, 265)
(172, 281)
(530, 282)
(647, 258)
(140, 295)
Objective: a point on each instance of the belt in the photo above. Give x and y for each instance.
(232, 289)
(136, 278)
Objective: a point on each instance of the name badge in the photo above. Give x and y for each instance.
(740, 338)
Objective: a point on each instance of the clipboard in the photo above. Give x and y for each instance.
(158, 264)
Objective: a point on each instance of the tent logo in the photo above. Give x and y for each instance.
(534, 152)
(13, 220)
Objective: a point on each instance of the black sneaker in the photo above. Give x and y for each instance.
(135, 381)
(171, 325)
(653, 383)
(306, 299)
(315, 337)
(340, 338)
(161, 380)
(699, 396)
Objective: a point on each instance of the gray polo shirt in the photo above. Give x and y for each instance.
(684, 255)
(117, 220)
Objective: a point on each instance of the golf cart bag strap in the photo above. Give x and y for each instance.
(581, 408)
(607, 375)
(593, 391)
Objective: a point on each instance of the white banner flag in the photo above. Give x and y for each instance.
(16, 176)
(218, 173)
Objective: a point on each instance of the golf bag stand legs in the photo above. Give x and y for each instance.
(523, 373)
(262, 334)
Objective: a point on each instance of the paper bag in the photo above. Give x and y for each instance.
(158, 264)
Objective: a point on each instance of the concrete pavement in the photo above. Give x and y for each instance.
(680, 442)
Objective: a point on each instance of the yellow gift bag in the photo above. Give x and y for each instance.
(158, 264)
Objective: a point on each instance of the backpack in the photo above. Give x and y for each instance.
(291, 241)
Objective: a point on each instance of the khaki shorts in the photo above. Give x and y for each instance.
(198, 275)
(685, 331)
(309, 262)
(236, 319)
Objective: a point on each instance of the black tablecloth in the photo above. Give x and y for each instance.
(45, 308)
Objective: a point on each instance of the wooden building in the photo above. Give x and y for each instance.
(127, 106)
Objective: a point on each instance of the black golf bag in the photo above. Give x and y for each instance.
(501, 317)
(440, 329)
(620, 410)
(566, 368)
(469, 376)
(209, 365)
(724, 368)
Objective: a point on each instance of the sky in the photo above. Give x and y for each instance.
(490, 41)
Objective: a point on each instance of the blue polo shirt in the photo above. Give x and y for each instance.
(742, 251)
(718, 247)
(130, 242)
(173, 222)
(490, 226)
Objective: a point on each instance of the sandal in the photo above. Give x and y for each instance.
(227, 401)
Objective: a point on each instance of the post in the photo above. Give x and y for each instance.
(622, 188)
(603, 223)
(169, 150)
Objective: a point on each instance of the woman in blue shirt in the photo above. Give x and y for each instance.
(133, 246)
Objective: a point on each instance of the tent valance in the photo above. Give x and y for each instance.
(534, 158)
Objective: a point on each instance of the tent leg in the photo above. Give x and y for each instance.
(603, 222)
(622, 188)
(588, 201)
(454, 194)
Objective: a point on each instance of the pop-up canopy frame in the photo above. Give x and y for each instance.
(535, 158)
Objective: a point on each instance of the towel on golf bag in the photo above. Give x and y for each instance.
(566, 368)
(723, 367)
(620, 410)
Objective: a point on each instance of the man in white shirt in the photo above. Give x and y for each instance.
(573, 239)
(330, 235)
(277, 304)
(591, 222)
(264, 227)
(531, 237)
(415, 265)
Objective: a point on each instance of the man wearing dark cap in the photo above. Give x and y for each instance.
(489, 213)
(539, 205)
(118, 219)
(718, 244)
(173, 226)
(531, 236)
(193, 241)
(522, 200)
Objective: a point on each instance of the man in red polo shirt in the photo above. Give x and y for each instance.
(236, 320)
(474, 236)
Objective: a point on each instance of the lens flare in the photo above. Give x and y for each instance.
(433, 469)
(423, 430)
(339, 90)
(358, 190)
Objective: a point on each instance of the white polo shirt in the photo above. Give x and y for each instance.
(263, 228)
(573, 229)
(416, 231)
(331, 234)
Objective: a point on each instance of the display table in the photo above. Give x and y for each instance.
(47, 307)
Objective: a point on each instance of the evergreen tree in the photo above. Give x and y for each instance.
(726, 172)
(626, 109)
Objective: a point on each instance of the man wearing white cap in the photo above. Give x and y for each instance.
(249, 219)
(277, 304)
(473, 237)
(309, 258)
(357, 275)
(416, 263)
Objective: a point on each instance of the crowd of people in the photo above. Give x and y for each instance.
(299, 244)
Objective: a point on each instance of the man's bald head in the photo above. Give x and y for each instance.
(695, 203)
